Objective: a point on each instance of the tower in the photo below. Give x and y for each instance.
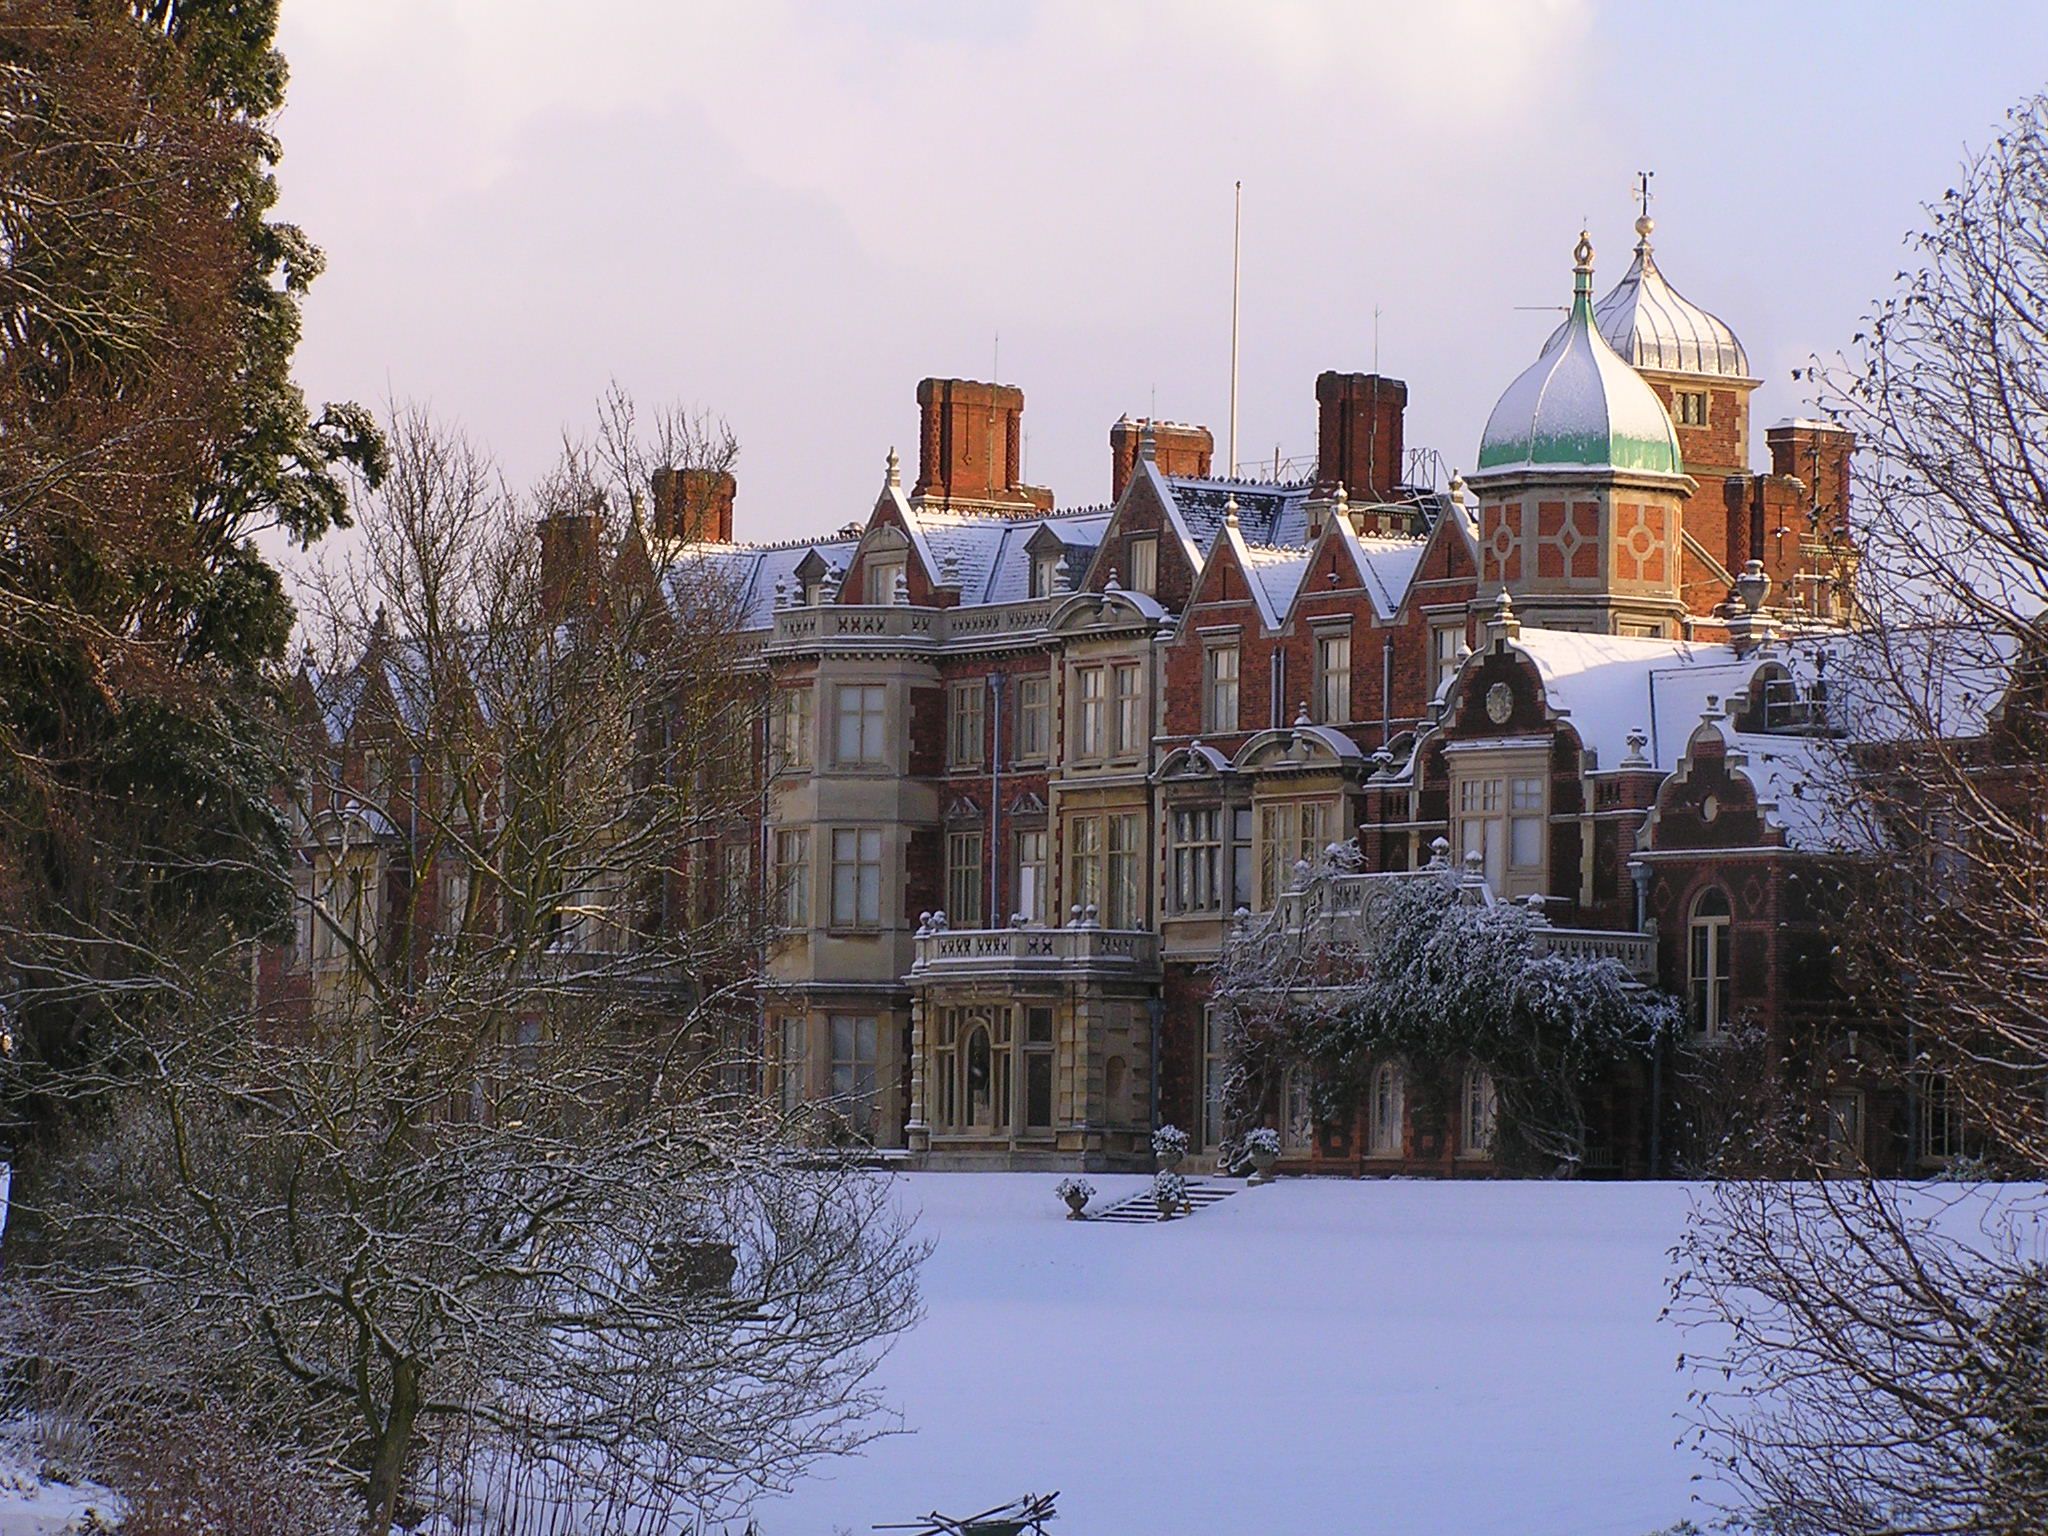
(1582, 487)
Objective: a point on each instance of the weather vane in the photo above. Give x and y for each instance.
(1643, 190)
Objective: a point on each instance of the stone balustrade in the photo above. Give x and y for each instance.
(850, 626)
(1078, 952)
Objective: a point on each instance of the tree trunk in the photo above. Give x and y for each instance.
(392, 1450)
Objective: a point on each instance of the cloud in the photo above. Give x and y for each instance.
(791, 212)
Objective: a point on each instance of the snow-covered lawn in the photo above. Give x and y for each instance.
(1332, 1355)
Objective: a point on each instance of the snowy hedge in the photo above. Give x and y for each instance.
(1437, 982)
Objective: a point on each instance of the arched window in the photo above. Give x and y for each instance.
(1707, 961)
(1476, 1113)
(1385, 1110)
(1297, 1110)
(977, 1092)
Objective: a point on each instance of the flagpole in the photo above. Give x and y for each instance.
(1236, 252)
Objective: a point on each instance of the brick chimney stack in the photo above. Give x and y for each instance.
(971, 446)
(1818, 453)
(693, 506)
(570, 561)
(1179, 448)
(1358, 437)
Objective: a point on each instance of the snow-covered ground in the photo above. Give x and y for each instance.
(1321, 1355)
(31, 1505)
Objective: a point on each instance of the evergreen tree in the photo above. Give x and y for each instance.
(149, 429)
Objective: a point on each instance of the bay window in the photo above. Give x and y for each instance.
(857, 877)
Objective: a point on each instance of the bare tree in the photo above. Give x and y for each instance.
(1873, 1355)
(467, 1204)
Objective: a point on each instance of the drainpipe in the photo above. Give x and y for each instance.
(997, 917)
(1386, 688)
(1639, 873)
(1155, 1012)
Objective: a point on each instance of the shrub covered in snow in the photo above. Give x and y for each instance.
(1262, 1139)
(1169, 1193)
(1439, 983)
(1076, 1192)
(1169, 1143)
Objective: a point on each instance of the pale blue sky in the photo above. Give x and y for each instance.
(790, 213)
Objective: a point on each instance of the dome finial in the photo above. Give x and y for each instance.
(1582, 270)
(1644, 223)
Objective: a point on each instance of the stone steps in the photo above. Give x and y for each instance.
(1138, 1209)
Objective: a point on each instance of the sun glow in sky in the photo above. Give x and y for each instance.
(789, 213)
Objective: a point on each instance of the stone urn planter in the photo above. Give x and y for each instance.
(1077, 1193)
(1169, 1194)
(1263, 1148)
(1169, 1147)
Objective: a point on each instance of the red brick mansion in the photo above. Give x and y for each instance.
(1025, 763)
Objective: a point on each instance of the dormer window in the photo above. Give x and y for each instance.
(1043, 571)
(883, 574)
(1144, 564)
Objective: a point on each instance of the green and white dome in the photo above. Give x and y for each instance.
(1580, 405)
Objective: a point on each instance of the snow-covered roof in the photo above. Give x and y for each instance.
(1386, 565)
(990, 558)
(752, 571)
(1579, 405)
(1270, 513)
(1797, 781)
(1610, 685)
(1652, 325)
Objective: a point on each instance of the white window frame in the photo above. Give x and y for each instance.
(1707, 971)
(1127, 710)
(1222, 666)
(966, 722)
(1144, 561)
(856, 1057)
(793, 877)
(860, 725)
(1034, 719)
(1091, 712)
(1032, 890)
(881, 573)
(966, 877)
(1332, 692)
(1195, 861)
(1446, 637)
(1124, 869)
(793, 726)
(789, 1063)
(856, 900)
(1478, 1112)
(1386, 1111)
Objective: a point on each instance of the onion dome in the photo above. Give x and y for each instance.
(1580, 405)
(1654, 326)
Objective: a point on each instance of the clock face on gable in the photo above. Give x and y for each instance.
(1500, 703)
